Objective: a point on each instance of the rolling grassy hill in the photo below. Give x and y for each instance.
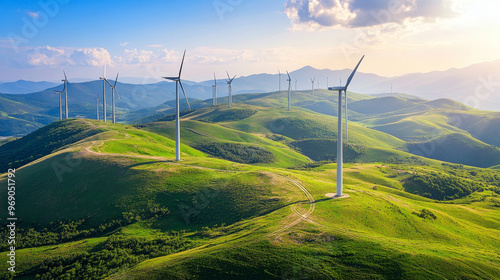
(210, 218)
(103, 201)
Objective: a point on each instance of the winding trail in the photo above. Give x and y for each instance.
(294, 207)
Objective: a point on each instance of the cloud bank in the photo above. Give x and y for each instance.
(316, 14)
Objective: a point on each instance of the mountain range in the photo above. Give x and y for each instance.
(23, 112)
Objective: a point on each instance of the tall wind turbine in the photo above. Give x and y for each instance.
(103, 78)
(60, 103)
(113, 90)
(340, 156)
(177, 109)
(279, 78)
(214, 91)
(65, 93)
(295, 84)
(312, 82)
(289, 80)
(229, 81)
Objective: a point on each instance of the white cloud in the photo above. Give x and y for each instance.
(124, 44)
(44, 56)
(35, 15)
(60, 56)
(318, 14)
(135, 56)
(90, 57)
(155, 46)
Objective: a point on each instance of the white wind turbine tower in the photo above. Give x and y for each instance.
(113, 90)
(177, 109)
(340, 156)
(229, 81)
(65, 94)
(97, 107)
(103, 78)
(289, 80)
(279, 79)
(60, 103)
(312, 82)
(214, 91)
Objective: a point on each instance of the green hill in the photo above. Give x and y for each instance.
(458, 148)
(108, 201)
(44, 141)
(381, 105)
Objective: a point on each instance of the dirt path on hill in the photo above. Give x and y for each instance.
(293, 207)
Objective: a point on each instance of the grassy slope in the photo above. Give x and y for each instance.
(194, 132)
(371, 234)
(458, 148)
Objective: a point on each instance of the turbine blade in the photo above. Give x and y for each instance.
(117, 94)
(171, 78)
(185, 96)
(182, 63)
(108, 82)
(65, 78)
(353, 72)
(233, 78)
(116, 80)
(288, 75)
(229, 78)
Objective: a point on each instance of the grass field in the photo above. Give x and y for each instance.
(114, 205)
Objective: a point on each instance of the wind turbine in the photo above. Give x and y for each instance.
(229, 81)
(295, 84)
(279, 77)
(340, 156)
(214, 91)
(103, 78)
(312, 82)
(177, 109)
(97, 107)
(289, 80)
(60, 103)
(65, 94)
(113, 90)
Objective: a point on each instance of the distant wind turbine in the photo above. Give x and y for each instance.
(113, 90)
(60, 103)
(177, 109)
(326, 82)
(289, 80)
(312, 82)
(279, 79)
(340, 156)
(214, 91)
(229, 81)
(97, 107)
(103, 78)
(65, 93)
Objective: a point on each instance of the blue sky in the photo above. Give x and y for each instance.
(145, 39)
